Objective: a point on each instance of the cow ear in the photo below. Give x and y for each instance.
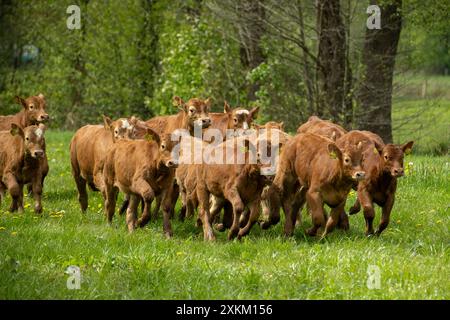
(107, 122)
(226, 108)
(208, 102)
(40, 95)
(254, 112)
(378, 148)
(16, 130)
(333, 136)
(335, 152)
(151, 135)
(179, 103)
(407, 147)
(20, 101)
(282, 126)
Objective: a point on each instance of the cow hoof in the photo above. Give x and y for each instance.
(168, 234)
(311, 232)
(219, 227)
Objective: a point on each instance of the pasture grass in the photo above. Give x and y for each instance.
(412, 254)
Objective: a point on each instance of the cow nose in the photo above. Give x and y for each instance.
(38, 153)
(360, 175)
(171, 163)
(398, 172)
(206, 121)
(44, 117)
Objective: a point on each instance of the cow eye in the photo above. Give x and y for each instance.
(163, 146)
(191, 110)
(27, 139)
(386, 157)
(235, 120)
(346, 160)
(31, 107)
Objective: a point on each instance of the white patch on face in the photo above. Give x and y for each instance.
(39, 132)
(243, 111)
(125, 124)
(245, 125)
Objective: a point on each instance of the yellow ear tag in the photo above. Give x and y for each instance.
(333, 155)
(375, 151)
(148, 137)
(244, 149)
(407, 151)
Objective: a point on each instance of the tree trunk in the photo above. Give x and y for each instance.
(375, 93)
(251, 30)
(331, 60)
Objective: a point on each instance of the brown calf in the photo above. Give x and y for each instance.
(193, 113)
(88, 149)
(324, 170)
(33, 112)
(237, 118)
(23, 161)
(142, 169)
(240, 184)
(383, 165)
(321, 127)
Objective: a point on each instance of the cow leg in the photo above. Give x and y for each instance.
(333, 219)
(254, 210)
(155, 212)
(270, 207)
(2, 192)
(238, 206)
(369, 212)
(315, 204)
(355, 208)
(244, 217)
(174, 194)
(14, 190)
(167, 210)
(290, 216)
(216, 206)
(203, 198)
(298, 204)
(124, 205)
(183, 195)
(110, 201)
(386, 214)
(131, 217)
(82, 193)
(37, 194)
(146, 195)
(343, 222)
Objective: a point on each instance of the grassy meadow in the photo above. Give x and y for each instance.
(412, 254)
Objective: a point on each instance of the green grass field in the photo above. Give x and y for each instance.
(412, 254)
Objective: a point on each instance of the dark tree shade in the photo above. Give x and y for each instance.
(379, 52)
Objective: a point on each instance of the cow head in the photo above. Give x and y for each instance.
(243, 118)
(164, 159)
(196, 111)
(33, 138)
(119, 128)
(270, 125)
(137, 128)
(392, 157)
(350, 157)
(34, 108)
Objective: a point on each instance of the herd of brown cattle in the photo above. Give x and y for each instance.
(317, 166)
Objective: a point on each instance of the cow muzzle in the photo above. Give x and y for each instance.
(359, 175)
(37, 153)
